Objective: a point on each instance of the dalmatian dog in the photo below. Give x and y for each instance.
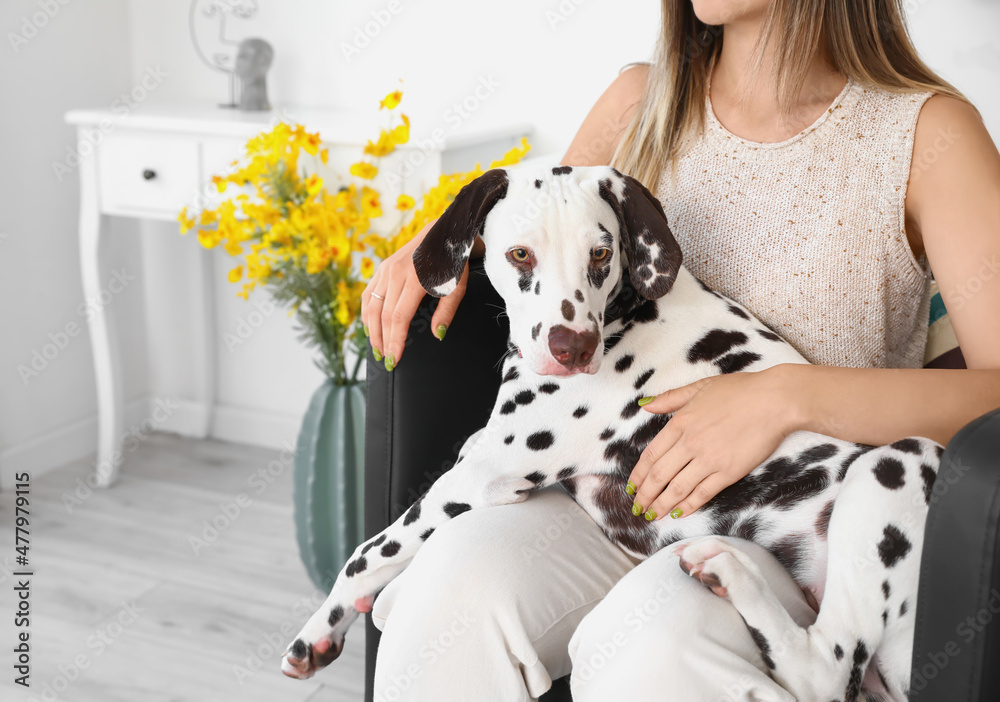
(602, 313)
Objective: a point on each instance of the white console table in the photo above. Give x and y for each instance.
(152, 162)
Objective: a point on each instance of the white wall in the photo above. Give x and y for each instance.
(960, 39)
(49, 418)
(551, 59)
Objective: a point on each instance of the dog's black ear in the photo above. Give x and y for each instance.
(654, 257)
(441, 257)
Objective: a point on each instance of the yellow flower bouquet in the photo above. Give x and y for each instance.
(314, 249)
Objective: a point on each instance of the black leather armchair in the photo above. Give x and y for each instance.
(420, 414)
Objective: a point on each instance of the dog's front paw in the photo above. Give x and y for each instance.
(717, 565)
(320, 641)
(302, 660)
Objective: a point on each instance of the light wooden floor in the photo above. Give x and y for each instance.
(198, 616)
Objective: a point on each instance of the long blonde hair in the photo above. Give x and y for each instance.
(867, 41)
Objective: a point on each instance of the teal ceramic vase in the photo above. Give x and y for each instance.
(329, 480)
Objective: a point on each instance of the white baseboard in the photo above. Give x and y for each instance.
(60, 446)
(255, 427)
(79, 440)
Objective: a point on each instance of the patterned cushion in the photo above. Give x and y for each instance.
(942, 346)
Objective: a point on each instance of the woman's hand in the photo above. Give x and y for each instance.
(723, 427)
(387, 317)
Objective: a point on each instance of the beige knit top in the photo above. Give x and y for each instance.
(808, 233)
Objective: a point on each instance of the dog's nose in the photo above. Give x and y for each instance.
(572, 349)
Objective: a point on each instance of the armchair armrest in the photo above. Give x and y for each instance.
(957, 642)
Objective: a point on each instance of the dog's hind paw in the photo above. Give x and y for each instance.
(719, 566)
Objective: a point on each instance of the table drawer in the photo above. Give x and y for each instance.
(147, 174)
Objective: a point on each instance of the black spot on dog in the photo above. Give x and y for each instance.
(524, 281)
(413, 514)
(641, 380)
(894, 546)
(372, 544)
(511, 374)
(636, 535)
(600, 316)
(857, 672)
(886, 590)
(548, 388)
(908, 445)
(525, 397)
(508, 407)
(939, 450)
(631, 408)
(538, 182)
(791, 551)
(596, 275)
(537, 477)
(648, 311)
(769, 335)
(838, 652)
(509, 439)
(862, 449)
(590, 316)
(534, 331)
(299, 649)
(928, 475)
(336, 614)
(538, 287)
(356, 566)
(561, 170)
(624, 363)
(391, 549)
(738, 312)
(578, 294)
(540, 440)
(580, 411)
(735, 362)
(823, 520)
(427, 534)
(565, 474)
(714, 344)
(817, 454)
(570, 485)
(804, 485)
(453, 509)
(606, 434)
(903, 607)
(747, 528)
(885, 617)
(568, 310)
(611, 341)
(763, 645)
(889, 472)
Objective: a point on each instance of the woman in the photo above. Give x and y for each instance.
(814, 169)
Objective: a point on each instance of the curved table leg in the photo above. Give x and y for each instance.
(107, 366)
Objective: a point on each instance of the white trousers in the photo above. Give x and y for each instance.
(504, 600)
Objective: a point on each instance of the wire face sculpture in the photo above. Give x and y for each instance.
(244, 61)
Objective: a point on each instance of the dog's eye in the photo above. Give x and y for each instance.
(600, 253)
(520, 255)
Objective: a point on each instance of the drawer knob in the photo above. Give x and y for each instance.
(149, 174)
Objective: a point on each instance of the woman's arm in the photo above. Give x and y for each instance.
(727, 425)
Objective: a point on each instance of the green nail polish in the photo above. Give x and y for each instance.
(650, 515)
(377, 355)
(630, 488)
(440, 331)
(390, 362)
(643, 401)
(636, 509)
(366, 329)
(676, 512)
